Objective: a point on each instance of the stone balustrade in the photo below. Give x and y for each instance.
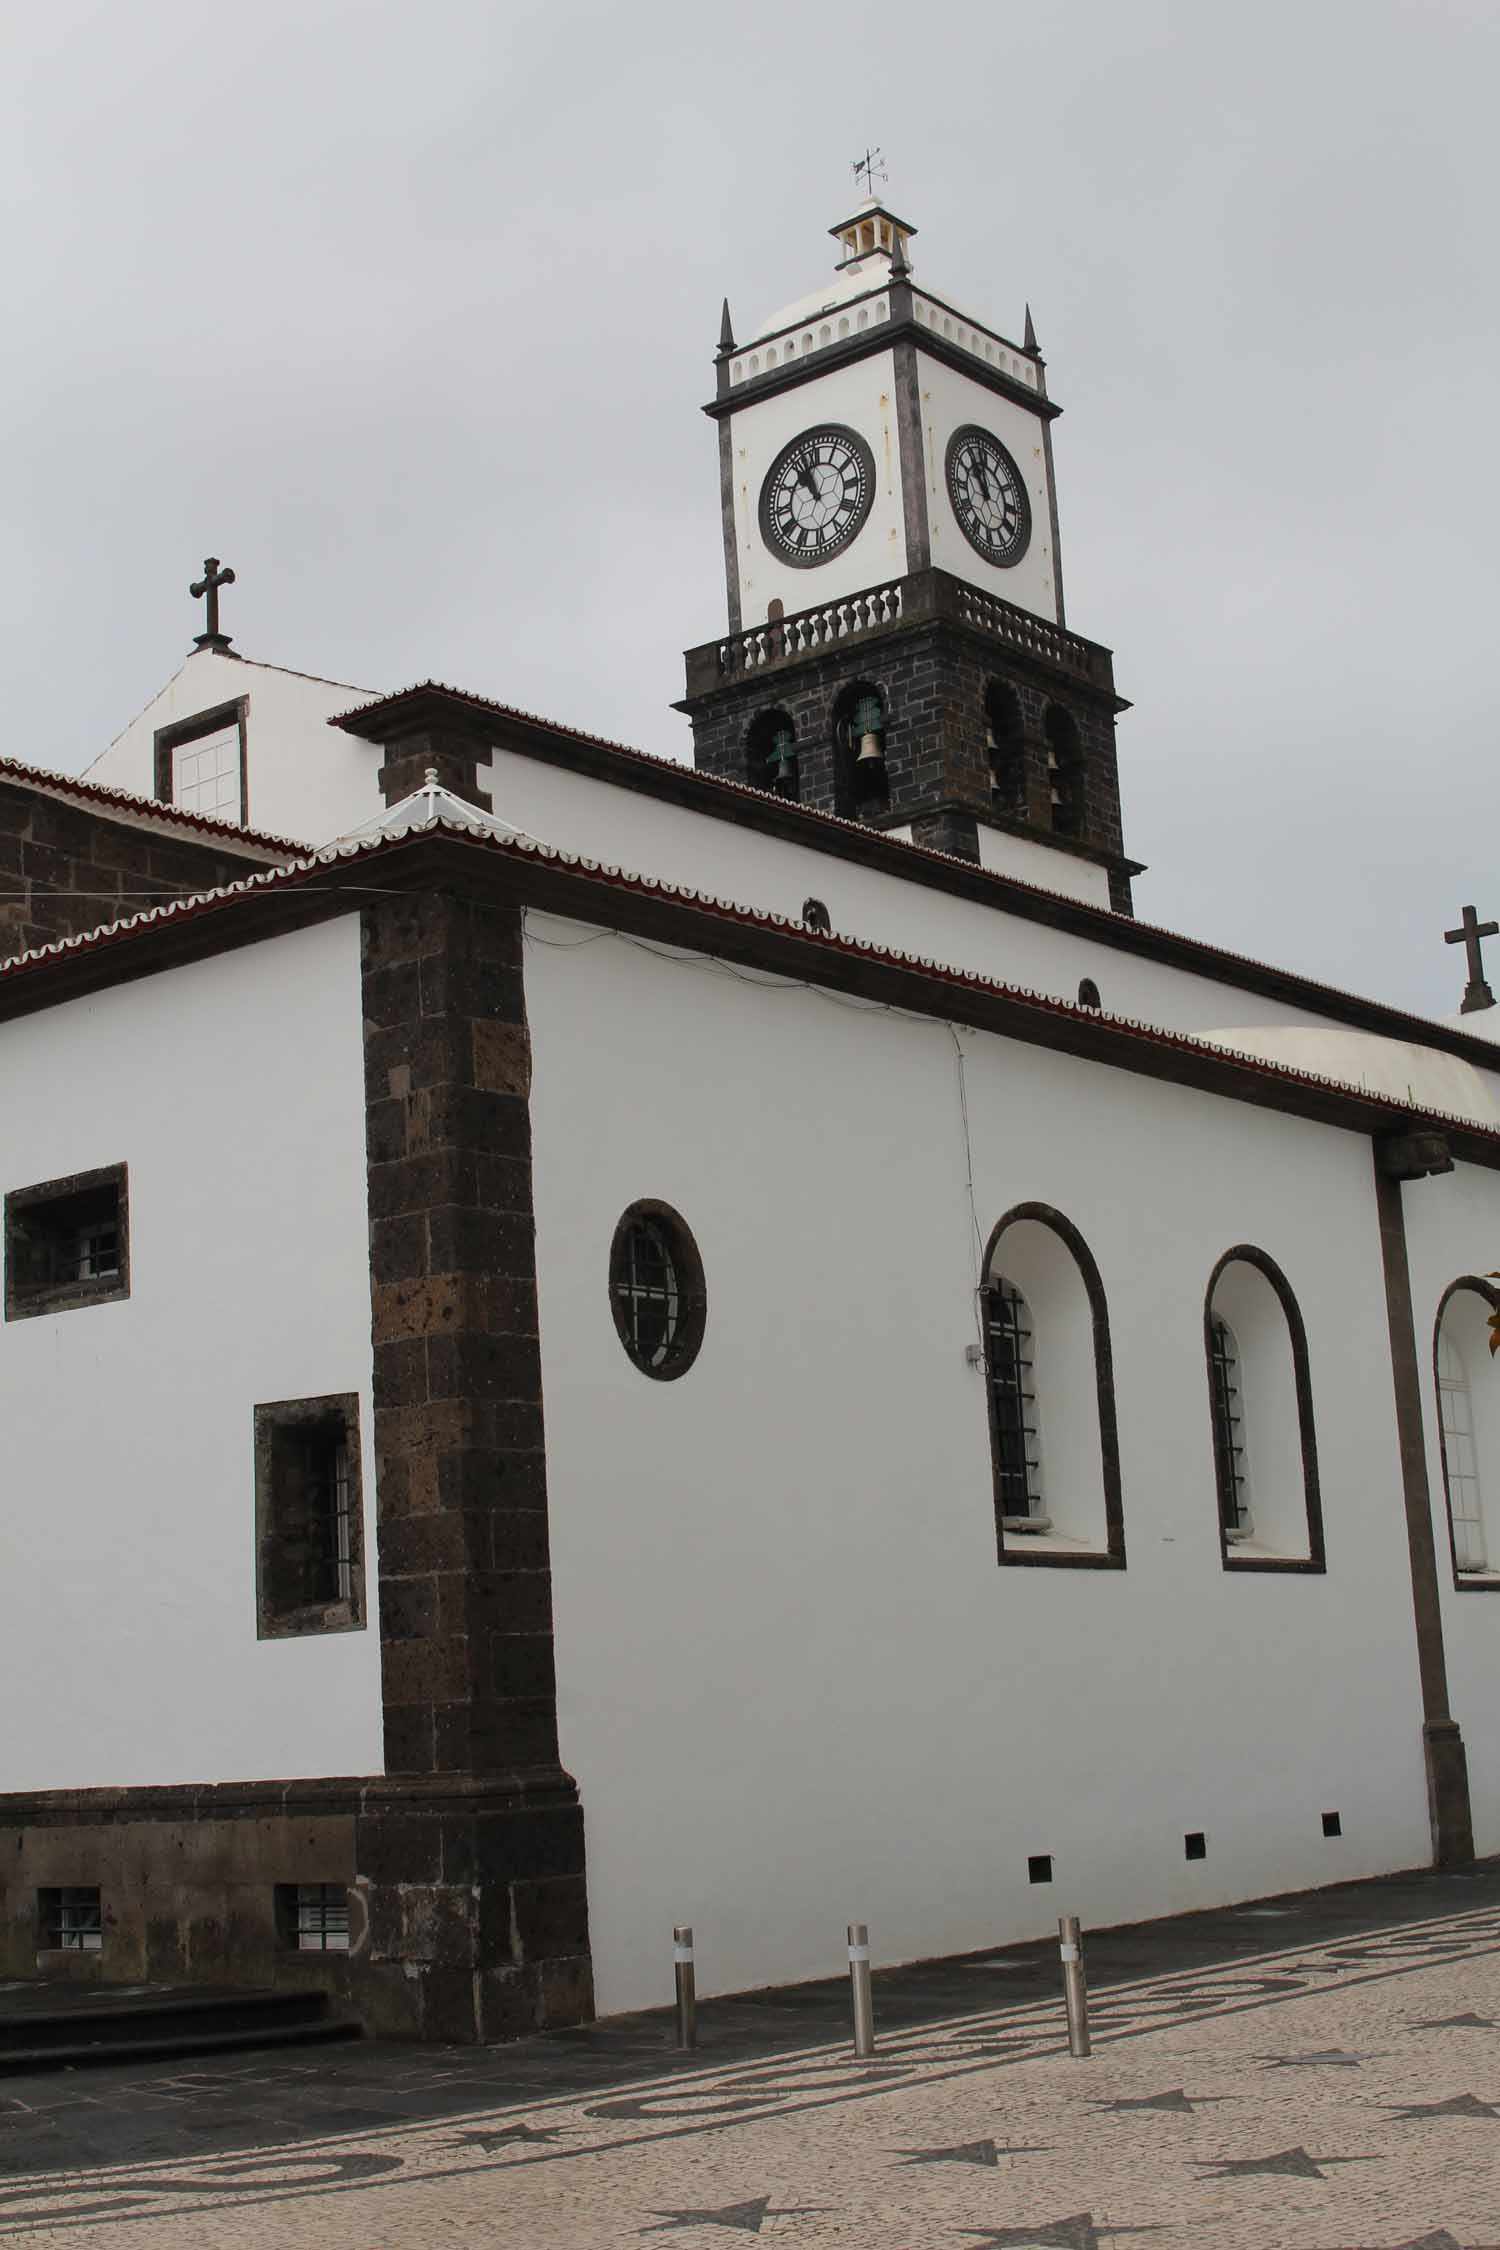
(927, 594)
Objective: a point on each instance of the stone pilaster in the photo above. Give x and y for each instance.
(452, 753)
(1448, 1803)
(478, 1913)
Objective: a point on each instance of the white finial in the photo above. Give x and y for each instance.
(431, 781)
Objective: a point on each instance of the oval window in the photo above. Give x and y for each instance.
(656, 1290)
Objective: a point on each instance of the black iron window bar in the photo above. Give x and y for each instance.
(72, 1920)
(330, 1562)
(1013, 1403)
(321, 1918)
(97, 1252)
(649, 1293)
(1229, 1443)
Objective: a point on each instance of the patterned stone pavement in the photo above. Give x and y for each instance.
(1323, 2075)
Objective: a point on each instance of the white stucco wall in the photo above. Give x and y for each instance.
(794, 1685)
(304, 779)
(862, 396)
(1452, 1229)
(233, 1090)
(1036, 863)
(950, 399)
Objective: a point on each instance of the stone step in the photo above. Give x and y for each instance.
(19, 2060)
(60, 2028)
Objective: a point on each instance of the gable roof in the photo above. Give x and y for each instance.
(330, 882)
(433, 704)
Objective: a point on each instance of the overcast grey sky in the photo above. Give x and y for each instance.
(407, 312)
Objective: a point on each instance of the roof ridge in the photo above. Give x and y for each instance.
(1106, 916)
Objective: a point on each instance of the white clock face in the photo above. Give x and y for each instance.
(988, 496)
(817, 494)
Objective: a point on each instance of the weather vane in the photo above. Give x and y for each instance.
(870, 167)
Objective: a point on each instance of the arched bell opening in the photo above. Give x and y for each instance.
(861, 781)
(771, 754)
(1064, 770)
(1005, 748)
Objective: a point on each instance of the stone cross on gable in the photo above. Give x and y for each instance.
(213, 578)
(1470, 934)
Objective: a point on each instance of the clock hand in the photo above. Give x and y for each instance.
(805, 476)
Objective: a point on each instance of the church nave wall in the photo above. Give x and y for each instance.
(793, 1684)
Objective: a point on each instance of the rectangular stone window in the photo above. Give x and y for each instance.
(309, 1517)
(313, 1917)
(201, 762)
(67, 1243)
(69, 1920)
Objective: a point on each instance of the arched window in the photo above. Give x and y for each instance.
(1064, 770)
(771, 754)
(860, 780)
(1260, 1416)
(1469, 1429)
(1088, 993)
(1005, 744)
(1050, 1382)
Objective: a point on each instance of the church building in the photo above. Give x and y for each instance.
(593, 1342)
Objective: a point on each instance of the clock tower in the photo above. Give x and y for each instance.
(897, 651)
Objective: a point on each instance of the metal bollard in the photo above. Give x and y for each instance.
(687, 1988)
(1075, 1990)
(859, 1980)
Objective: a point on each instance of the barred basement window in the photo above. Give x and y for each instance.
(656, 1290)
(70, 1920)
(1012, 1371)
(314, 1916)
(67, 1243)
(1229, 1431)
(309, 1517)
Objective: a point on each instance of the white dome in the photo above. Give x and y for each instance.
(1422, 1076)
(850, 281)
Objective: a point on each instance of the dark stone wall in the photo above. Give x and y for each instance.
(65, 869)
(465, 1909)
(188, 1881)
(933, 674)
(452, 753)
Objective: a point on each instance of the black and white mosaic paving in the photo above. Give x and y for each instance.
(1193, 2120)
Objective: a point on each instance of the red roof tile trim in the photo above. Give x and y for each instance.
(147, 808)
